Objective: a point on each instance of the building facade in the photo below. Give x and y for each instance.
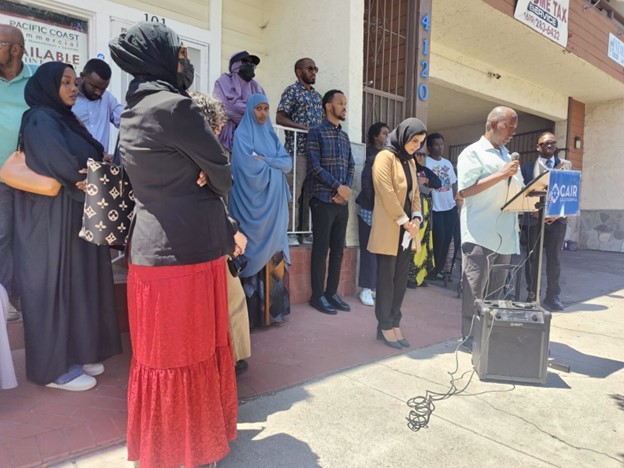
(447, 62)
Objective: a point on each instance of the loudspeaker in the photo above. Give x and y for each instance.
(511, 341)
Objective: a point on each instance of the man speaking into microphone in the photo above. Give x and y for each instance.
(487, 179)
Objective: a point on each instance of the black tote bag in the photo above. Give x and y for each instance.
(109, 205)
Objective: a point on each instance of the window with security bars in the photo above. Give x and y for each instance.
(386, 65)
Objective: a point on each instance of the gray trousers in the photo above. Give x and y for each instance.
(479, 280)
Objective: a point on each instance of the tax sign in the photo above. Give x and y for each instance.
(548, 17)
(564, 194)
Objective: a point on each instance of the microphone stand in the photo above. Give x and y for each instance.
(541, 205)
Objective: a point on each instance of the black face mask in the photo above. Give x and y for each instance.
(246, 71)
(186, 77)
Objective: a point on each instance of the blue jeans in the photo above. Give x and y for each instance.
(6, 239)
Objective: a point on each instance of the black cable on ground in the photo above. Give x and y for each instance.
(422, 407)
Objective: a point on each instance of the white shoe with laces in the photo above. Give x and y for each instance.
(366, 296)
(94, 369)
(79, 384)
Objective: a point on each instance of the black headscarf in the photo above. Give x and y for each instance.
(149, 52)
(42, 93)
(399, 137)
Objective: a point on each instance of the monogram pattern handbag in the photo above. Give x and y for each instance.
(109, 205)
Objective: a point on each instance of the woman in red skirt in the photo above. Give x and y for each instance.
(182, 402)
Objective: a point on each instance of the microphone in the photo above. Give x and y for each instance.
(515, 156)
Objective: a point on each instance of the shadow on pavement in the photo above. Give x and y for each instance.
(619, 400)
(254, 448)
(586, 364)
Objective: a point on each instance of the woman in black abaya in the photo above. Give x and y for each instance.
(66, 283)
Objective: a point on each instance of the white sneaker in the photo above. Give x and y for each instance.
(308, 239)
(94, 369)
(79, 384)
(14, 314)
(366, 296)
(292, 240)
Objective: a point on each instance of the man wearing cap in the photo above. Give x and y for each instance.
(14, 75)
(233, 89)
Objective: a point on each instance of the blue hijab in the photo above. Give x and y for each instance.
(260, 195)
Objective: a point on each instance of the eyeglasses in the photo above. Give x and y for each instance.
(311, 69)
(3, 43)
(249, 62)
(548, 143)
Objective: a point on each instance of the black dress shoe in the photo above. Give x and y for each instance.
(392, 344)
(553, 303)
(338, 303)
(322, 305)
(241, 367)
(404, 343)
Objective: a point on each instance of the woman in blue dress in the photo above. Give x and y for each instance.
(259, 201)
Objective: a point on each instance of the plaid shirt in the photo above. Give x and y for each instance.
(330, 162)
(304, 107)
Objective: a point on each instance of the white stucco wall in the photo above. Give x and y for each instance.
(466, 74)
(472, 132)
(280, 32)
(242, 22)
(328, 31)
(603, 157)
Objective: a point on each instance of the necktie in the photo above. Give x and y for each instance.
(549, 163)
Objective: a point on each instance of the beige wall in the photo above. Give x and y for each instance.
(471, 133)
(603, 158)
(281, 31)
(460, 72)
(242, 26)
(193, 12)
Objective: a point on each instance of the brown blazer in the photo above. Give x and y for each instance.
(390, 194)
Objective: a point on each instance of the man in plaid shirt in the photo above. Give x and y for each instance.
(330, 176)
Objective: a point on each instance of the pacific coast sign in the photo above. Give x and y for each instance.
(46, 42)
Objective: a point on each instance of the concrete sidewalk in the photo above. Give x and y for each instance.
(357, 418)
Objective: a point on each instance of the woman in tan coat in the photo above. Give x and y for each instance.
(396, 220)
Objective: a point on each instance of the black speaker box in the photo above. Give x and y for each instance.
(511, 341)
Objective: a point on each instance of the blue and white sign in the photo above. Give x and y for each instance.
(564, 194)
(616, 49)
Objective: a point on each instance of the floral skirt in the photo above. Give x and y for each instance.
(423, 262)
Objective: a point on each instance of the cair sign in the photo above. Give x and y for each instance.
(564, 194)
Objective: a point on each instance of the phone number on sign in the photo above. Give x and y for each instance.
(542, 26)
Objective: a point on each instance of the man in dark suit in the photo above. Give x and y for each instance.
(554, 228)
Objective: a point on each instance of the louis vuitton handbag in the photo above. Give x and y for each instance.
(109, 205)
(15, 173)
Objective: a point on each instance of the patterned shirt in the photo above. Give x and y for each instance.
(330, 161)
(303, 107)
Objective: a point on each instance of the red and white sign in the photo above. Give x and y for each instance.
(548, 17)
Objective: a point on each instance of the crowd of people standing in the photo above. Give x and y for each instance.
(209, 248)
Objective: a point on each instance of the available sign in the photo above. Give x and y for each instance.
(47, 42)
(548, 17)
